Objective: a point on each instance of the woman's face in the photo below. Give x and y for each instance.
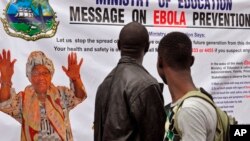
(40, 79)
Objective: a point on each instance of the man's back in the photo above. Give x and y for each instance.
(129, 105)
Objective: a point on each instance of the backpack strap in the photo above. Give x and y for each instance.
(199, 94)
(223, 119)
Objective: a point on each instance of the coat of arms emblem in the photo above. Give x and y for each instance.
(29, 19)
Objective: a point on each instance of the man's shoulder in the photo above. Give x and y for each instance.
(130, 78)
(200, 115)
(196, 100)
(134, 74)
(197, 103)
(108, 77)
(200, 108)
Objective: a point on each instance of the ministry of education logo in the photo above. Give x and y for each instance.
(29, 19)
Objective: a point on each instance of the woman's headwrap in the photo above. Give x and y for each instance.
(38, 58)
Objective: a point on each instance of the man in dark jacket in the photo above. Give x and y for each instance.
(129, 103)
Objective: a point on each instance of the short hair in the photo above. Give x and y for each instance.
(175, 49)
(133, 38)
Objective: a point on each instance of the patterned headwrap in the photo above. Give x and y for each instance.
(38, 58)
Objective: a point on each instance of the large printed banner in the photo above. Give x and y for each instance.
(219, 30)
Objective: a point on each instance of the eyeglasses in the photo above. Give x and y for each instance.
(36, 74)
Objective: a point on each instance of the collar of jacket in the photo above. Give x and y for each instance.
(127, 59)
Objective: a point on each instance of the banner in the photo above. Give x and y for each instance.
(219, 30)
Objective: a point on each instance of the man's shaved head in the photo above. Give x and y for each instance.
(133, 39)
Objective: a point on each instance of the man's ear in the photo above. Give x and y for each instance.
(192, 61)
(160, 63)
(119, 44)
(146, 47)
(160, 69)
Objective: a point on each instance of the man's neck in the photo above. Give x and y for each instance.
(180, 83)
(178, 93)
(137, 59)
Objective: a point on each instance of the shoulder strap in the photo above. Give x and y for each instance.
(198, 94)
